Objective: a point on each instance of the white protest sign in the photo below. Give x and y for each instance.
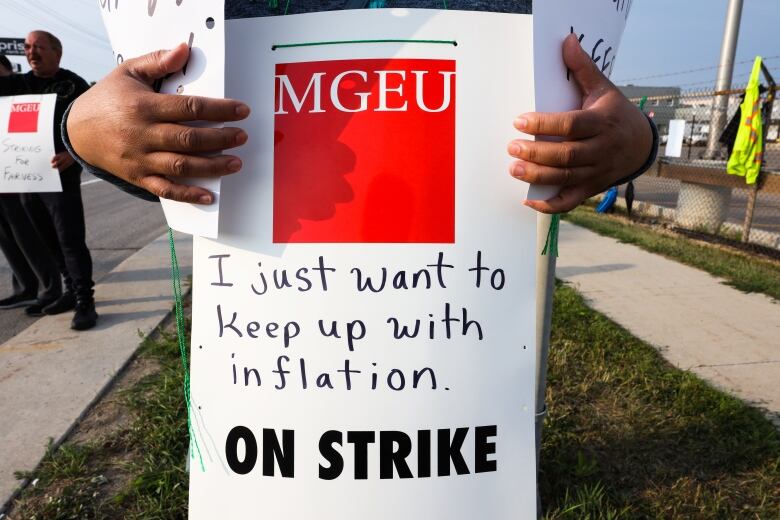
(363, 328)
(674, 140)
(139, 27)
(27, 144)
(599, 26)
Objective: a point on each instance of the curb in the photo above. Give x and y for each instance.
(55, 376)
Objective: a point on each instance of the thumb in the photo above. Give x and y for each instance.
(583, 70)
(158, 64)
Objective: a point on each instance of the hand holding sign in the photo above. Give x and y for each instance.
(61, 161)
(142, 131)
(603, 142)
(139, 28)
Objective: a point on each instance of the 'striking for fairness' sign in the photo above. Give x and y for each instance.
(27, 144)
(363, 327)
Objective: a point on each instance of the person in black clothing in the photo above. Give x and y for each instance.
(59, 215)
(33, 276)
(6, 69)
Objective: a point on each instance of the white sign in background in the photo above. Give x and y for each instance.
(599, 25)
(674, 141)
(25, 156)
(139, 27)
(483, 385)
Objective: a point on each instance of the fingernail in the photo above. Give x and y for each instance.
(241, 137)
(515, 150)
(204, 199)
(242, 110)
(234, 165)
(518, 171)
(521, 123)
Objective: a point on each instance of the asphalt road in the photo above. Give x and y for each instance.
(663, 192)
(118, 225)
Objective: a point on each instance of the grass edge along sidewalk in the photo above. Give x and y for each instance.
(738, 269)
(628, 436)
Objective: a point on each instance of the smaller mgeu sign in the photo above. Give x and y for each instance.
(27, 144)
(12, 46)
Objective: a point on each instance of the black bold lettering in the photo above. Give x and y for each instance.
(361, 440)
(451, 451)
(483, 448)
(390, 457)
(284, 454)
(331, 455)
(242, 467)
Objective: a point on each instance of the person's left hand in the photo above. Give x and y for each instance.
(604, 142)
(62, 161)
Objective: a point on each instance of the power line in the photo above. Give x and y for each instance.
(690, 71)
(83, 38)
(69, 21)
(712, 82)
(69, 25)
(741, 81)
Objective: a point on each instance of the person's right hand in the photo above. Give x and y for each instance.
(122, 126)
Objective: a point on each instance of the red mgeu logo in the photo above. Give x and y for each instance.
(24, 117)
(364, 151)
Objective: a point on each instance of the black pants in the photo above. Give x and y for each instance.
(35, 272)
(65, 213)
(44, 227)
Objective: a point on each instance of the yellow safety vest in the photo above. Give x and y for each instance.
(745, 160)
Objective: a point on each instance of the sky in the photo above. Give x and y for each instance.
(669, 36)
(663, 37)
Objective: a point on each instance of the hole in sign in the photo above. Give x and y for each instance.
(210, 22)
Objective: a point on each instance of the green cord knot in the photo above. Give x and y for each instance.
(551, 244)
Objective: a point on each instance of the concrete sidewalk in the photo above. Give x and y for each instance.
(50, 375)
(725, 336)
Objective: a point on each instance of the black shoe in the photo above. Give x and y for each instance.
(17, 300)
(66, 302)
(85, 316)
(36, 309)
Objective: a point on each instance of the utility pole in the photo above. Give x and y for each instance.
(728, 50)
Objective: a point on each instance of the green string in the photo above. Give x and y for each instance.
(551, 244)
(341, 42)
(180, 333)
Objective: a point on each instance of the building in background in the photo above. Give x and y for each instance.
(13, 48)
(662, 102)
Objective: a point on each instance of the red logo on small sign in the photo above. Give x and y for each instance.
(364, 151)
(24, 117)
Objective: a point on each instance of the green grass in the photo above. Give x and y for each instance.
(740, 270)
(627, 436)
(134, 472)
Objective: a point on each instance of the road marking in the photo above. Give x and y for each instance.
(91, 182)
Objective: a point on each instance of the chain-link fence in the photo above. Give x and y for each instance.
(691, 189)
